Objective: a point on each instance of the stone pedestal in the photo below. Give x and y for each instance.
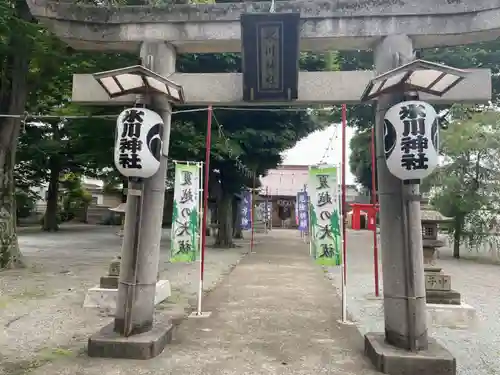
(104, 295)
(388, 359)
(105, 298)
(460, 316)
(438, 287)
(108, 344)
(437, 283)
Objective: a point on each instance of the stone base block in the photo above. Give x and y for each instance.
(388, 359)
(108, 344)
(451, 316)
(442, 297)
(109, 282)
(106, 298)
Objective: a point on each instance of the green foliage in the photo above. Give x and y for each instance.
(467, 186)
(257, 138)
(360, 161)
(479, 55)
(25, 203)
(74, 197)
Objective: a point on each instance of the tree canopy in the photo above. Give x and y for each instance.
(466, 187)
(479, 55)
(37, 71)
(36, 78)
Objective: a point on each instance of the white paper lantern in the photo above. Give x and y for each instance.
(138, 142)
(411, 140)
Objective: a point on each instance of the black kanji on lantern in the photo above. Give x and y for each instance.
(414, 141)
(130, 144)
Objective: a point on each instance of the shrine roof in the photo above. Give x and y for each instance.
(433, 216)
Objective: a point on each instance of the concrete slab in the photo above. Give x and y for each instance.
(451, 316)
(226, 89)
(106, 298)
(450, 297)
(108, 344)
(388, 359)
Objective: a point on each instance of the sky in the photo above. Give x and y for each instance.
(310, 150)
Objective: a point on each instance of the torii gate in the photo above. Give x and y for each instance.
(392, 31)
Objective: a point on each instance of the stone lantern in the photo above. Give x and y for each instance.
(120, 209)
(437, 283)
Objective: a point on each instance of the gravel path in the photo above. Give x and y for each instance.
(41, 309)
(477, 349)
(275, 314)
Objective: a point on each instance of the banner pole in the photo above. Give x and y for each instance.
(267, 210)
(202, 234)
(309, 206)
(208, 145)
(344, 217)
(252, 213)
(174, 224)
(374, 203)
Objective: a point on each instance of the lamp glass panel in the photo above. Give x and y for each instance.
(110, 85)
(174, 93)
(130, 81)
(157, 85)
(376, 87)
(424, 78)
(445, 82)
(394, 80)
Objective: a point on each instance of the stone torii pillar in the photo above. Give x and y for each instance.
(134, 334)
(405, 313)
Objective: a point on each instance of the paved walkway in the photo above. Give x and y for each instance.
(276, 313)
(476, 348)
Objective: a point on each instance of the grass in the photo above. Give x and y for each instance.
(183, 258)
(328, 262)
(30, 293)
(26, 294)
(4, 301)
(43, 357)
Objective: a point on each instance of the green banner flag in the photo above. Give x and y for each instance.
(185, 235)
(325, 215)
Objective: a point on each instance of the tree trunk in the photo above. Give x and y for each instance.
(237, 232)
(13, 94)
(85, 213)
(224, 216)
(50, 219)
(457, 236)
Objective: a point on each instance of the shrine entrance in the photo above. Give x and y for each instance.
(367, 221)
(270, 44)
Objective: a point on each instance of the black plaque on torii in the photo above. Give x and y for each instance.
(270, 56)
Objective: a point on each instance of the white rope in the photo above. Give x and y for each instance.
(272, 9)
(334, 136)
